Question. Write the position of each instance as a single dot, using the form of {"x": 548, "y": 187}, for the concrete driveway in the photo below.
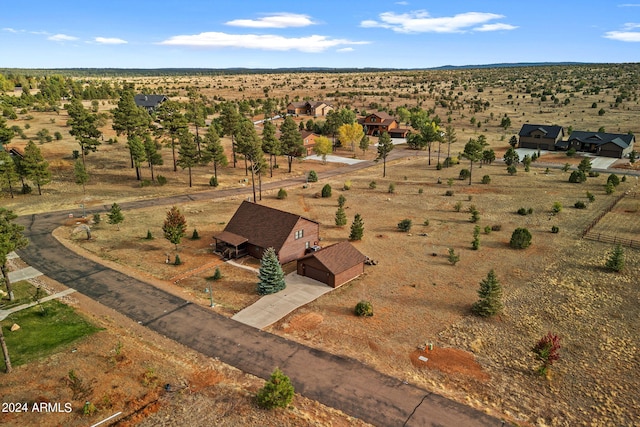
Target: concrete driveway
{"x": 269, "y": 309}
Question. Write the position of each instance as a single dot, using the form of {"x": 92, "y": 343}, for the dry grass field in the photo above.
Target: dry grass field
{"x": 558, "y": 284}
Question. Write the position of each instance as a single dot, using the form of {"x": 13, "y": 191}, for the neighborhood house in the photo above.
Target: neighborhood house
{"x": 149, "y": 102}
{"x": 255, "y": 228}
{"x": 309, "y": 108}
{"x": 309, "y": 142}
{"x": 550, "y": 138}
{"x": 376, "y": 124}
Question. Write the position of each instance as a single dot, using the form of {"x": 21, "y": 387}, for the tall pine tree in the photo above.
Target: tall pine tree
{"x": 341, "y": 217}
{"x": 490, "y": 294}
{"x": 8, "y": 175}
{"x": 357, "y": 228}
{"x": 270, "y": 276}
{"x": 35, "y": 166}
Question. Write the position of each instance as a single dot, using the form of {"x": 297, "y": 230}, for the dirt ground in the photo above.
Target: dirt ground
{"x": 556, "y": 285}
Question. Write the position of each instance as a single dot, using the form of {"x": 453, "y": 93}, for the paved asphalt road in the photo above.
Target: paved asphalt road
{"x": 339, "y": 382}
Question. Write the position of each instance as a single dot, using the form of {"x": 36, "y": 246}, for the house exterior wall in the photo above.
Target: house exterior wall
{"x": 312, "y": 268}
{"x": 537, "y": 140}
{"x": 345, "y": 276}
{"x": 293, "y": 248}
{"x": 611, "y": 150}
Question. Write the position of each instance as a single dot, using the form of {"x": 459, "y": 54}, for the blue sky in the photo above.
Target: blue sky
{"x": 272, "y": 34}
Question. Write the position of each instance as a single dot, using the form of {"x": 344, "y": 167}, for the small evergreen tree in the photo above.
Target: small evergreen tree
{"x": 96, "y": 218}
{"x": 270, "y": 275}
{"x": 577, "y": 177}
{"x": 520, "y": 238}
{"x": 616, "y": 259}
{"x": 609, "y": 188}
{"x": 326, "y": 190}
{"x": 405, "y": 225}
{"x": 217, "y": 275}
{"x": 282, "y": 194}
{"x": 357, "y": 228}
{"x": 475, "y": 214}
{"x": 195, "y": 235}
{"x": 613, "y": 178}
{"x": 177, "y": 261}
{"x": 115, "y": 215}
{"x": 313, "y": 176}
{"x": 278, "y": 392}
{"x": 341, "y": 217}
{"x": 490, "y": 294}
{"x": 149, "y": 235}
{"x": 341, "y": 200}
{"x": 453, "y": 258}
{"x": 475, "y": 244}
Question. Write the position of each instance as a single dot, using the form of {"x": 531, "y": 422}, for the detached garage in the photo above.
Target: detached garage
{"x": 334, "y": 265}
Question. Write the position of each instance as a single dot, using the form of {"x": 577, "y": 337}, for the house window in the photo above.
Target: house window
{"x": 537, "y": 136}
{"x": 299, "y": 234}
{"x": 306, "y": 245}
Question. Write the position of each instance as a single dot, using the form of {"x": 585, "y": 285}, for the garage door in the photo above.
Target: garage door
{"x": 316, "y": 274}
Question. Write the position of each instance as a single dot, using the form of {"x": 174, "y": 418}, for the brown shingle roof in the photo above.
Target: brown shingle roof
{"x": 339, "y": 257}
{"x": 230, "y": 238}
{"x": 263, "y": 226}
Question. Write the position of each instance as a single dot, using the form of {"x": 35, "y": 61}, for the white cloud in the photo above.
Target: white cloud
{"x": 345, "y": 50}
{"x": 630, "y": 26}
{"x": 62, "y": 38}
{"x": 402, "y": 3}
{"x": 421, "y": 22}
{"x": 629, "y": 5}
{"x": 623, "y": 36}
{"x": 10, "y": 30}
{"x": 278, "y": 20}
{"x": 496, "y": 27}
{"x": 313, "y": 43}
{"x": 109, "y": 40}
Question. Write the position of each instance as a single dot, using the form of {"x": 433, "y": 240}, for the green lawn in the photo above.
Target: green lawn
{"x": 44, "y": 330}
{"x": 23, "y": 291}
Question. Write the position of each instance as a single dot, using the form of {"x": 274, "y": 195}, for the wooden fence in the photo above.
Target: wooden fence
{"x": 588, "y": 234}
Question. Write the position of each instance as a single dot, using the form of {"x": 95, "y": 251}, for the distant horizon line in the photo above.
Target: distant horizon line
{"x": 264, "y": 69}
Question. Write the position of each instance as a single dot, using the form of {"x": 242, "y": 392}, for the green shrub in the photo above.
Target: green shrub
{"x": 217, "y": 275}
{"x": 420, "y": 191}
{"x": 312, "y": 177}
{"x": 195, "y": 235}
{"x": 591, "y": 197}
{"x": 571, "y": 152}
{"x": 486, "y": 179}
{"x": 448, "y": 193}
{"x": 405, "y": 225}
{"x": 555, "y": 229}
{"x": 453, "y": 258}
{"x": 613, "y": 178}
{"x": 530, "y": 211}
{"x": 341, "y": 200}
{"x": 426, "y": 222}
{"x": 609, "y": 188}
{"x": 487, "y": 229}
{"x": 177, "y": 260}
{"x": 624, "y": 178}
{"x": 96, "y": 218}
{"x": 475, "y": 214}
{"x": 464, "y": 174}
{"x": 282, "y": 194}
{"x": 278, "y": 392}
{"x": 512, "y": 169}
{"x": 496, "y": 227}
{"x": 520, "y": 238}
{"x": 579, "y": 205}
{"x": 162, "y": 180}
{"x": 213, "y": 181}
{"x": 577, "y": 177}
{"x": 326, "y": 190}
{"x": 26, "y": 188}
{"x": 149, "y": 235}
{"x": 392, "y": 188}
{"x": 557, "y": 207}
{"x": 522, "y": 211}
{"x": 372, "y": 185}
{"x": 364, "y": 309}
{"x": 145, "y": 183}
{"x": 347, "y": 186}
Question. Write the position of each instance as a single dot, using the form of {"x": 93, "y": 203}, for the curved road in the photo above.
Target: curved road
{"x": 335, "y": 381}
